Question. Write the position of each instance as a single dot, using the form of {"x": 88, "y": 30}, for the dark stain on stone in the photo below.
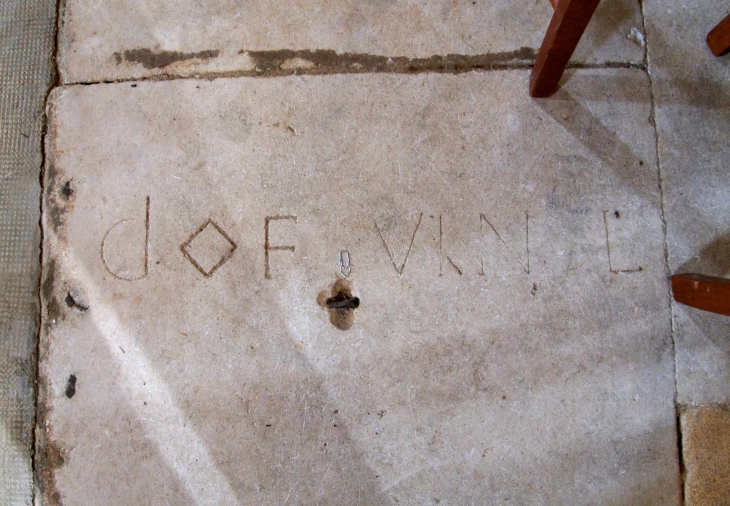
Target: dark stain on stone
{"x": 47, "y": 286}
{"x": 55, "y": 211}
{"x": 159, "y": 59}
{"x": 327, "y": 61}
{"x": 67, "y": 190}
{"x": 53, "y": 311}
{"x": 53, "y": 308}
{"x": 59, "y": 196}
{"x": 71, "y": 386}
{"x": 534, "y": 289}
{"x": 340, "y": 303}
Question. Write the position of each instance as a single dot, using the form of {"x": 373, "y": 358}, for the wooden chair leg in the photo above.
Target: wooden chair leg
{"x": 703, "y": 292}
{"x": 566, "y": 28}
{"x": 719, "y": 38}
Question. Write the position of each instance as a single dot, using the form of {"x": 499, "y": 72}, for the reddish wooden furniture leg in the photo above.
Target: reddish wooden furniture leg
{"x": 719, "y": 38}
{"x": 566, "y": 28}
{"x": 702, "y": 292}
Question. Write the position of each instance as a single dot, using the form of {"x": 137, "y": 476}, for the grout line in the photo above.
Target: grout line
{"x": 436, "y": 68}
{"x": 53, "y": 83}
{"x": 660, "y": 181}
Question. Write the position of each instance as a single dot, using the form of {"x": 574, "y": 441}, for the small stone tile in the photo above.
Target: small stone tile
{"x": 692, "y": 94}
{"x": 122, "y": 39}
{"x": 706, "y": 454}
{"x": 510, "y": 340}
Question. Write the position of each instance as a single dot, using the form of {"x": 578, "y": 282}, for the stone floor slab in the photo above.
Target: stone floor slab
{"x": 128, "y": 39}
{"x": 510, "y": 341}
{"x": 692, "y": 93}
{"x": 706, "y": 449}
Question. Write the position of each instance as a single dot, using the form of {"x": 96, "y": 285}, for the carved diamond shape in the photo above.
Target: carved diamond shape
{"x": 208, "y": 248}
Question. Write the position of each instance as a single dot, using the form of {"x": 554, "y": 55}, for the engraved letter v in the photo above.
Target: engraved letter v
{"x": 413, "y": 237}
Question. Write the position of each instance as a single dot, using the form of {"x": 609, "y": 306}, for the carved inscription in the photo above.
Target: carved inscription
{"x": 402, "y": 267}
{"x": 608, "y": 249}
{"x": 121, "y": 271}
{"x": 210, "y": 246}
{"x": 525, "y": 266}
{"x": 267, "y": 243}
{"x": 227, "y": 252}
{"x": 441, "y": 251}
{"x": 345, "y": 264}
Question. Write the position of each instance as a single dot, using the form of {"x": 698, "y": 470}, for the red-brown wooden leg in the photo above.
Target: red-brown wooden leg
{"x": 702, "y": 292}
{"x": 719, "y": 38}
{"x": 566, "y": 28}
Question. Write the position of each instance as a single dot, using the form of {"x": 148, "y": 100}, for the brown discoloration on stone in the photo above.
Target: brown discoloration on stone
{"x": 150, "y": 59}
{"x": 54, "y": 310}
{"x": 706, "y": 455}
{"x": 340, "y": 303}
{"x": 49, "y": 456}
{"x": 59, "y": 197}
{"x": 325, "y": 61}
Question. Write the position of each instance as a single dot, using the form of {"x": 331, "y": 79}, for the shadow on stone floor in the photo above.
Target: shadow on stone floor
{"x": 568, "y": 110}
{"x": 699, "y": 84}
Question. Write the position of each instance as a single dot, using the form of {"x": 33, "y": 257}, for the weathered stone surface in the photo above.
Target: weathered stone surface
{"x": 692, "y": 93}
{"x": 511, "y": 339}
{"x": 706, "y": 452}
{"x": 122, "y": 39}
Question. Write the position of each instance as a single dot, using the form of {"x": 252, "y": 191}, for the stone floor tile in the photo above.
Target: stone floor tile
{"x": 692, "y": 93}
{"x": 706, "y": 452}
{"x": 128, "y": 39}
{"x": 510, "y": 341}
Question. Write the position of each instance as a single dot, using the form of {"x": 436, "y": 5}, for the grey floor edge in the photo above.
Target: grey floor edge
{"x": 27, "y": 31}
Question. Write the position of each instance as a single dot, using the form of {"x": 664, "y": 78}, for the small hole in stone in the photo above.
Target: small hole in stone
{"x": 617, "y": 214}
{"x": 76, "y": 298}
{"x": 71, "y": 386}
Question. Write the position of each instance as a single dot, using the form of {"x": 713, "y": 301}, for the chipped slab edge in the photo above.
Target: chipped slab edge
{"x": 48, "y": 455}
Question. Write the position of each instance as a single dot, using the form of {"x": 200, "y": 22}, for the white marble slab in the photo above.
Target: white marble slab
{"x": 511, "y": 343}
